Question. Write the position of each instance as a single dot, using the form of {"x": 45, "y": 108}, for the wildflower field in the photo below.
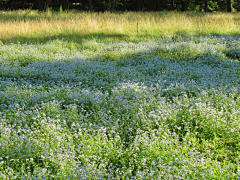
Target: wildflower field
{"x": 136, "y": 104}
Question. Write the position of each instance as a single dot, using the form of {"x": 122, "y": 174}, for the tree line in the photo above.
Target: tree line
{"x": 124, "y": 5}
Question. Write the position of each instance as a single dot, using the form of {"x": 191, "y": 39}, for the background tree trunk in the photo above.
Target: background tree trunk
{"x": 229, "y": 9}
{"x": 157, "y": 5}
{"x": 11, "y": 2}
{"x": 90, "y": 5}
{"x": 113, "y": 5}
{"x": 43, "y": 5}
{"x": 173, "y": 5}
{"x": 65, "y": 5}
{"x": 124, "y": 5}
{"x": 138, "y": 5}
{"x": 183, "y": 6}
{"x": 109, "y": 5}
{"x": 143, "y": 4}
{"x": 46, "y": 5}
{"x": 40, "y": 5}
{"x": 206, "y": 6}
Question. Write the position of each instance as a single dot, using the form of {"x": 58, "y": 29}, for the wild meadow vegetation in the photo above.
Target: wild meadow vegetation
{"x": 119, "y": 95}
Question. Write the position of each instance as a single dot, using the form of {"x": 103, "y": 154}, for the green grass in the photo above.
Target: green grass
{"x": 118, "y": 105}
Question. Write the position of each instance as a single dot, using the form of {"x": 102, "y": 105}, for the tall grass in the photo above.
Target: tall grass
{"x": 33, "y": 26}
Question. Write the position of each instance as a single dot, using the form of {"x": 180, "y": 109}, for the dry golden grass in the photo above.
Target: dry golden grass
{"x": 33, "y": 26}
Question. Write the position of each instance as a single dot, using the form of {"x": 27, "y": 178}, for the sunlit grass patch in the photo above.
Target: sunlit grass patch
{"x": 40, "y": 27}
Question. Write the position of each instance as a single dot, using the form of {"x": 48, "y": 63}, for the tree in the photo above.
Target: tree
{"x": 229, "y": 8}
{"x": 138, "y": 5}
{"x": 206, "y": 5}
{"x": 124, "y": 5}
{"x": 143, "y": 4}
{"x": 90, "y": 5}
{"x": 47, "y": 3}
{"x": 65, "y": 5}
{"x": 183, "y": 6}
{"x": 157, "y": 5}
{"x": 173, "y": 5}
{"x": 43, "y": 5}
{"x": 11, "y": 3}
{"x": 112, "y": 4}
{"x": 109, "y": 5}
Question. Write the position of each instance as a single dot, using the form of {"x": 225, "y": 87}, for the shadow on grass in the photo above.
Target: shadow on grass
{"x": 73, "y": 37}
{"x": 106, "y": 81}
{"x": 77, "y": 37}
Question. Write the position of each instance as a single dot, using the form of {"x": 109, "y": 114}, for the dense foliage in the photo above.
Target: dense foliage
{"x": 123, "y": 5}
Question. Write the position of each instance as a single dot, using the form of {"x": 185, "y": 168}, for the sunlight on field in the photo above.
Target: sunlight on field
{"x": 31, "y": 26}
{"x": 119, "y": 96}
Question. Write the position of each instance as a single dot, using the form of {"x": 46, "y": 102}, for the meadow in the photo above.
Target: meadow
{"x": 129, "y": 95}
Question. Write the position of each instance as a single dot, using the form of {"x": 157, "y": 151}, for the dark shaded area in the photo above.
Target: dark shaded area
{"x": 77, "y": 37}
{"x": 122, "y": 5}
{"x": 74, "y": 37}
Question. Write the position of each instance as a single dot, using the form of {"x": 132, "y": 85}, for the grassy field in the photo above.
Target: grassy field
{"x": 36, "y": 27}
{"x": 119, "y": 96}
